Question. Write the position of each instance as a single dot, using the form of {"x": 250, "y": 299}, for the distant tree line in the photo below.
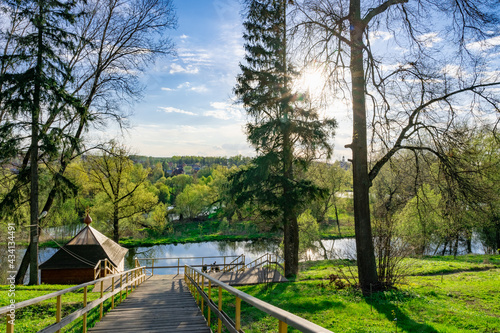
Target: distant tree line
{"x": 202, "y": 161}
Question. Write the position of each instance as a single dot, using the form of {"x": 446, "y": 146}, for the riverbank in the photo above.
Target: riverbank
{"x": 215, "y": 230}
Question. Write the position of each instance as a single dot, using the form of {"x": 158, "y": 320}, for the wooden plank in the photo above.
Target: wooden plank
{"x": 161, "y": 304}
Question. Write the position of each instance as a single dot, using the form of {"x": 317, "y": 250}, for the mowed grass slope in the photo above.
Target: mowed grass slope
{"x": 442, "y": 295}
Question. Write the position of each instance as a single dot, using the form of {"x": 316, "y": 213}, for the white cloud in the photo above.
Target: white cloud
{"x": 429, "y": 39}
{"x": 224, "y": 111}
{"x": 485, "y": 44}
{"x": 184, "y": 85}
{"x": 166, "y": 89}
{"x": 168, "y": 109}
{"x": 184, "y": 36}
{"x": 384, "y": 35}
{"x": 187, "y": 85}
{"x": 453, "y": 71}
{"x": 189, "y": 69}
{"x": 199, "y": 89}
{"x": 170, "y": 140}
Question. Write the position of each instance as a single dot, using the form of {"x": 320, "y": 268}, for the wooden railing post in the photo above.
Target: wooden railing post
{"x": 84, "y": 328}
{"x": 219, "y": 322}
{"x": 209, "y": 298}
{"x": 121, "y": 286}
{"x": 112, "y": 290}
{"x": 198, "y": 296}
{"x": 102, "y": 303}
{"x": 10, "y": 326}
{"x": 58, "y": 310}
{"x": 238, "y": 314}
{"x": 282, "y": 327}
{"x": 178, "y": 265}
{"x": 126, "y": 282}
{"x": 153, "y": 267}
{"x": 202, "y": 291}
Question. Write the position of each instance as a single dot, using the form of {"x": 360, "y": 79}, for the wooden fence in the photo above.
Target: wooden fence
{"x": 128, "y": 280}
{"x": 201, "y": 284}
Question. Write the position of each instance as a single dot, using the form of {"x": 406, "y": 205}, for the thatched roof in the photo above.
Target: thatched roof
{"x": 85, "y": 250}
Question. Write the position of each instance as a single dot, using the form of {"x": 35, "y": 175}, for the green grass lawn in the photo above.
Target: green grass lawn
{"x": 442, "y": 295}
{"x": 36, "y": 317}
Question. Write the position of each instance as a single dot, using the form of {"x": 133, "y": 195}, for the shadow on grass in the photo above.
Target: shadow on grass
{"x": 382, "y": 303}
{"x": 279, "y": 296}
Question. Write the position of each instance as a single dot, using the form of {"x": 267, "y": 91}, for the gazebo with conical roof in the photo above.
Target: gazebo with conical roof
{"x": 74, "y": 263}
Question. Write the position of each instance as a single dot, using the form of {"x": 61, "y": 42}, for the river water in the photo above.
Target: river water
{"x": 251, "y": 249}
{"x": 339, "y": 248}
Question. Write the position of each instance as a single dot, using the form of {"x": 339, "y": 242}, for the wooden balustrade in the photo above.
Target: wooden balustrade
{"x": 133, "y": 277}
{"x": 108, "y": 269}
{"x": 152, "y": 263}
{"x": 284, "y": 318}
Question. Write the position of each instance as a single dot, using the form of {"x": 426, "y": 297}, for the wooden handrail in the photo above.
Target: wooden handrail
{"x": 138, "y": 275}
{"x": 236, "y": 263}
{"x": 223, "y": 266}
{"x": 108, "y": 267}
{"x": 285, "y": 318}
{"x": 175, "y": 258}
{"x": 268, "y": 259}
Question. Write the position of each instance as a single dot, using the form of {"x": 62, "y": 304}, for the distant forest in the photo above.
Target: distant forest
{"x": 170, "y": 163}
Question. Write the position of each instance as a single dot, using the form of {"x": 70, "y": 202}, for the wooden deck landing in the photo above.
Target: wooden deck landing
{"x": 254, "y": 275}
{"x": 161, "y": 304}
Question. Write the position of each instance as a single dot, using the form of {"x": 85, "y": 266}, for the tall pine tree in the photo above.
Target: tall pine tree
{"x": 34, "y": 87}
{"x": 285, "y": 132}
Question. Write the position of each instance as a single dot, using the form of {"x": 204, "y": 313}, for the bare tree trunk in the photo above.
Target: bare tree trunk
{"x": 367, "y": 268}
{"x": 455, "y": 246}
{"x": 35, "y": 115}
{"x": 23, "y": 268}
{"x": 497, "y": 233}
{"x": 444, "y": 248}
{"x": 116, "y": 231}
{"x": 325, "y": 251}
{"x": 337, "y": 218}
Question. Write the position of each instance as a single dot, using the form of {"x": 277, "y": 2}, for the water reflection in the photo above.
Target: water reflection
{"x": 251, "y": 249}
{"x": 328, "y": 249}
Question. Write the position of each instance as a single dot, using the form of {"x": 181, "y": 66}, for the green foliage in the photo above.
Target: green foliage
{"x": 178, "y": 183}
{"x": 194, "y": 201}
{"x": 121, "y": 188}
{"x": 309, "y": 233}
{"x": 33, "y": 77}
{"x": 420, "y": 222}
{"x": 335, "y": 180}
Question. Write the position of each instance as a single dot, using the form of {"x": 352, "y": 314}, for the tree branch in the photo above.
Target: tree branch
{"x": 380, "y": 9}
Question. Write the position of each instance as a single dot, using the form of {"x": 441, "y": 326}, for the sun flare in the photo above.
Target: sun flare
{"x": 311, "y": 81}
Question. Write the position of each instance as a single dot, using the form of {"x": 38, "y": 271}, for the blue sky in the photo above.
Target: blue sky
{"x": 188, "y": 106}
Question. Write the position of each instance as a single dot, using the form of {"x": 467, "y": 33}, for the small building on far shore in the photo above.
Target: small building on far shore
{"x": 74, "y": 263}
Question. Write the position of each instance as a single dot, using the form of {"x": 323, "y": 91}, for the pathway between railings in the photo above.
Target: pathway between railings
{"x": 161, "y": 304}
